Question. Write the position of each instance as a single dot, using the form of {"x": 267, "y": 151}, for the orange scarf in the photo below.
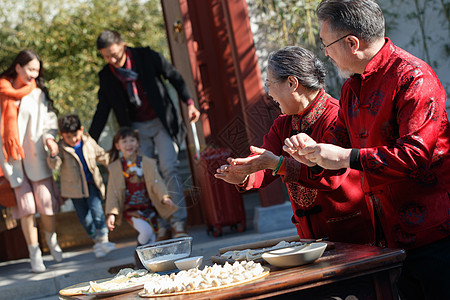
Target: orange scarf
{"x": 9, "y": 127}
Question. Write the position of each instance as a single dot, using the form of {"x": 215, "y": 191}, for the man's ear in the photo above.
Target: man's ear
{"x": 353, "y": 42}
{"x": 82, "y": 128}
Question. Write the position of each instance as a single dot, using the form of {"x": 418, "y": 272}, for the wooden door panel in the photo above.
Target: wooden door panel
{"x": 217, "y": 58}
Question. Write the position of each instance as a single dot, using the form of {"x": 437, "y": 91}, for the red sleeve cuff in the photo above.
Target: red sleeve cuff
{"x": 190, "y": 101}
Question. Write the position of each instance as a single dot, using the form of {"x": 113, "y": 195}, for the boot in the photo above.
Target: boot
{"x": 37, "y": 264}
{"x": 53, "y": 245}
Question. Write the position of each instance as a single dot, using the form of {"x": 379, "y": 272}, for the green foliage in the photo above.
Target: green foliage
{"x": 64, "y": 34}
{"x": 293, "y": 21}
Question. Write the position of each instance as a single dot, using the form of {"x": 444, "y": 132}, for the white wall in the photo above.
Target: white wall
{"x": 404, "y": 31}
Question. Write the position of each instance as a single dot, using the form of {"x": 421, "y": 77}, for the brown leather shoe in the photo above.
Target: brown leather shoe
{"x": 163, "y": 234}
{"x": 179, "y": 230}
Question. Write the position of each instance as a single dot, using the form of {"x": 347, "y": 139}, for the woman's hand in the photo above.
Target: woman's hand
{"x": 52, "y": 147}
{"x": 228, "y": 174}
{"x": 110, "y": 222}
{"x": 260, "y": 160}
{"x": 237, "y": 169}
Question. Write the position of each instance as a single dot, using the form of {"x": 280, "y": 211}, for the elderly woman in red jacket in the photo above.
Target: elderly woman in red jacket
{"x": 332, "y": 206}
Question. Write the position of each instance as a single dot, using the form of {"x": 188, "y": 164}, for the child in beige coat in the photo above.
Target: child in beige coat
{"x": 135, "y": 189}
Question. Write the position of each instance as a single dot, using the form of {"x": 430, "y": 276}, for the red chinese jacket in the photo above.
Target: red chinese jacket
{"x": 333, "y": 206}
{"x": 395, "y": 114}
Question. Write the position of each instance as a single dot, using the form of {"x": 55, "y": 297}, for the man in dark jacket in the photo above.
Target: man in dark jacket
{"x": 131, "y": 84}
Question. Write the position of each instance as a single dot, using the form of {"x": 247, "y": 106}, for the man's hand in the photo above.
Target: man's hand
{"x": 295, "y": 146}
{"x": 328, "y": 156}
{"x": 193, "y": 113}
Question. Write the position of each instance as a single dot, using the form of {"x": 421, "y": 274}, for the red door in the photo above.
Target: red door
{"x": 212, "y": 45}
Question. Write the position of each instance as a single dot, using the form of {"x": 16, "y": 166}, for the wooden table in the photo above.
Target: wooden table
{"x": 362, "y": 271}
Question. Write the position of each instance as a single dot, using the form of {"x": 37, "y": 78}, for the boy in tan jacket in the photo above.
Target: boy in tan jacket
{"x": 81, "y": 179}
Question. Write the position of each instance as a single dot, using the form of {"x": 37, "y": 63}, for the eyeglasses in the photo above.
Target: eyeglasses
{"x": 268, "y": 83}
{"x": 323, "y": 46}
{"x": 118, "y": 56}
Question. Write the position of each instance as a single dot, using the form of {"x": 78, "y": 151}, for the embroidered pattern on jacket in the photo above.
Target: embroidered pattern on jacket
{"x": 413, "y": 214}
{"x": 388, "y": 133}
{"x": 375, "y": 101}
{"x": 353, "y": 108}
{"x": 312, "y": 116}
{"x": 403, "y": 238}
{"x": 302, "y": 196}
{"x": 374, "y": 163}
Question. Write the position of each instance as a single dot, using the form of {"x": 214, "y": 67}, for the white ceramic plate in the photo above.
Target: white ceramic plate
{"x": 265, "y": 274}
{"x": 163, "y": 263}
{"x": 189, "y": 263}
{"x": 82, "y": 289}
{"x": 295, "y": 256}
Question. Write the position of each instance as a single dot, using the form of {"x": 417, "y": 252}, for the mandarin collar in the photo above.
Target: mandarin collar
{"x": 379, "y": 60}
{"x": 312, "y": 105}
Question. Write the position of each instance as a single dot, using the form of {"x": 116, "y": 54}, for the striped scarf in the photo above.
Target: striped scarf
{"x": 128, "y": 77}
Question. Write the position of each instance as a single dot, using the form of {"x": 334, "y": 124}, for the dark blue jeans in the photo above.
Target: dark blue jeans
{"x": 90, "y": 213}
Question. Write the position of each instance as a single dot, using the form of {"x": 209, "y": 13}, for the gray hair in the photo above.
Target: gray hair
{"x": 107, "y": 38}
{"x": 298, "y": 62}
{"x": 362, "y": 18}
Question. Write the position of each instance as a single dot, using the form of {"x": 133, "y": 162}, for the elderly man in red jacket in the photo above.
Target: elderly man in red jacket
{"x": 393, "y": 127}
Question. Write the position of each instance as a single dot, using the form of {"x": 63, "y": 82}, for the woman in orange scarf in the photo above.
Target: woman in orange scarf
{"x": 28, "y": 127}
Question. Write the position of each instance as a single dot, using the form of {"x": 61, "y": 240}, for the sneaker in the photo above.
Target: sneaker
{"x": 179, "y": 230}
{"x": 98, "y": 252}
{"x": 101, "y": 249}
{"x": 163, "y": 234}
{"x": 108, "y": 247}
